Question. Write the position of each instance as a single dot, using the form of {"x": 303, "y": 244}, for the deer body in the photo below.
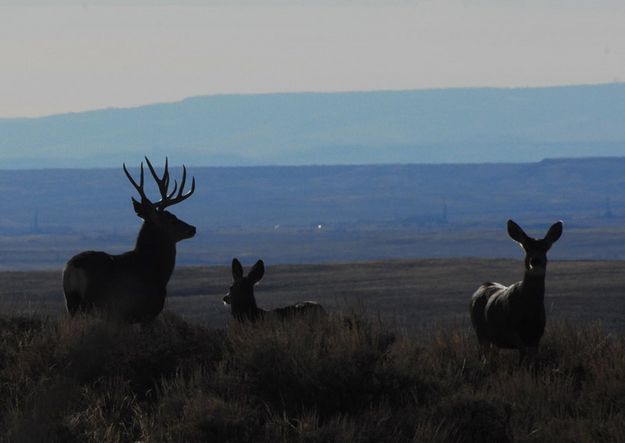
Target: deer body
{"x": 298, "y": 309}
{"x": 242, "y": 302}
{"x": 513, "y": 316}
{"x": 131, "y": 286}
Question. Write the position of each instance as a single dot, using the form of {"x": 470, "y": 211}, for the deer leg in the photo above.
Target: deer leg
{"x": 521, "y": 347}
{"x": 488, "y": 351}
{"x": 494, "y": 351}
{"x": 522, "y": 355}
{"x": 484, "y": 349}
{"x": 532, "y": 351}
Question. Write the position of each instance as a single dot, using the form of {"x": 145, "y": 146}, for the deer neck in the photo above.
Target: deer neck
{"x": 533, "y": 285}
{"x": 248, "y": 311}
{"x": 157, "y": 252}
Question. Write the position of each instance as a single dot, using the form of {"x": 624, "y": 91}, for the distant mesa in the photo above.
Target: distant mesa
{"x": 389, "y": 127}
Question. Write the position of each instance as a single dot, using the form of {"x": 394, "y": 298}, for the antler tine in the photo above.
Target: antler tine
{"x": 161, "y": 182}
{"x": 138, "y": 187}
{"x": 155, "y": 176}
{"x": 180, "y": 197}
{"x": 166, "y": 173}
{"x": 171, "y": 194}
{"x": 184, "y": 179}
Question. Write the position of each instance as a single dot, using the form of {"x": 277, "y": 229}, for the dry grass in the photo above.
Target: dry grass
{"x": 415, "y": 293}
{"x": 349, "y": 378}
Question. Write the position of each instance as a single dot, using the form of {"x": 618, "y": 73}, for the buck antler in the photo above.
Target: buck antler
{"x": 138, "y": 187}
{"x": 163, "y": 184}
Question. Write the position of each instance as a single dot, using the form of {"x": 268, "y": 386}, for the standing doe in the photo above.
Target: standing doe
{"x": 513, "y": 317}
{"x": 242, "y": 303}
{"x": 132, "y": 286}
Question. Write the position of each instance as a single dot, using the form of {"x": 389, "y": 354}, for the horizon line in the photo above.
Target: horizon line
{"x": 329, "y": 165}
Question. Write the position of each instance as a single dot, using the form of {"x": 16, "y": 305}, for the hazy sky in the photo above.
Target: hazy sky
{"x": 76, "y": 55}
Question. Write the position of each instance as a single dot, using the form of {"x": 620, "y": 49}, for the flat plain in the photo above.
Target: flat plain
{"x": 414, "y": 294}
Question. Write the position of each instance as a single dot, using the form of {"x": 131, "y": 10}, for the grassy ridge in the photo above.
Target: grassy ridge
{"x": 347, "y": 378}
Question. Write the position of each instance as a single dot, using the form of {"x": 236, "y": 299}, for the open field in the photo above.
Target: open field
{"x": 413, "y": 293}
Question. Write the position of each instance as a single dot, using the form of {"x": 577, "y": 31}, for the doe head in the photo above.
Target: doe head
{"x": 155, "y": 214}
{"x": 240, "y": 297}
{"x": 535, "y": 249}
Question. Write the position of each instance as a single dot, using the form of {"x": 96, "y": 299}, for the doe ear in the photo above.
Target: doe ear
{"x": 554, "y": 233}
{"x": 257, "y": 272}
{"x": 516, "y": 233}
{"x": 237, "y": 269}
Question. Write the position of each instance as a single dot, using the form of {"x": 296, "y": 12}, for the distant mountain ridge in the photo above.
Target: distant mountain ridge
{"x": 424, "y": 126}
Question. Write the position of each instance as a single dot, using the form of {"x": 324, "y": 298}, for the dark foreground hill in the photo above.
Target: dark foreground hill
{"x": 343, "y": 379}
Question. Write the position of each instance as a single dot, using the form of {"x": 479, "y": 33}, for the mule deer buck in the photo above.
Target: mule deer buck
{"x": 513, "y": 317}
{"x": 242, "y": 303}
{"x": 132, "y": 286}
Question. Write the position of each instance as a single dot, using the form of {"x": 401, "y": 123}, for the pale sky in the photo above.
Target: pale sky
{"x": 77, "y": 56}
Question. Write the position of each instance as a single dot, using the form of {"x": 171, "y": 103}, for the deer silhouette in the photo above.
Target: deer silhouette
{"x": 513, "y": 317}
{"x": 131, "y": 286}
{"x": 242, "y": 302}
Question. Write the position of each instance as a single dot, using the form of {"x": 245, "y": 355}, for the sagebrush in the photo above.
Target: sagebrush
{"x": 347, "y": 378}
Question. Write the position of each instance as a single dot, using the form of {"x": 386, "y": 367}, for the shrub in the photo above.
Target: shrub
{"x": 343, "y": 378}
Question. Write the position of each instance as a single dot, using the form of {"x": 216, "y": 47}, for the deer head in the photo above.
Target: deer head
{"x": 240, "y": 297}
{"x": 535, "y": 250}
{"x": 154, "y": 214}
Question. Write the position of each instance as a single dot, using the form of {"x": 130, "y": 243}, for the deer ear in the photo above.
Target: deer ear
{"x": 237, "y": 270}
{"x": 144, "y": 210}
{"x": 554, "y": 233}
{"x": 257, "y": 272}
{"x": 516, "y": 233}
{"x": 138, "y": 208}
